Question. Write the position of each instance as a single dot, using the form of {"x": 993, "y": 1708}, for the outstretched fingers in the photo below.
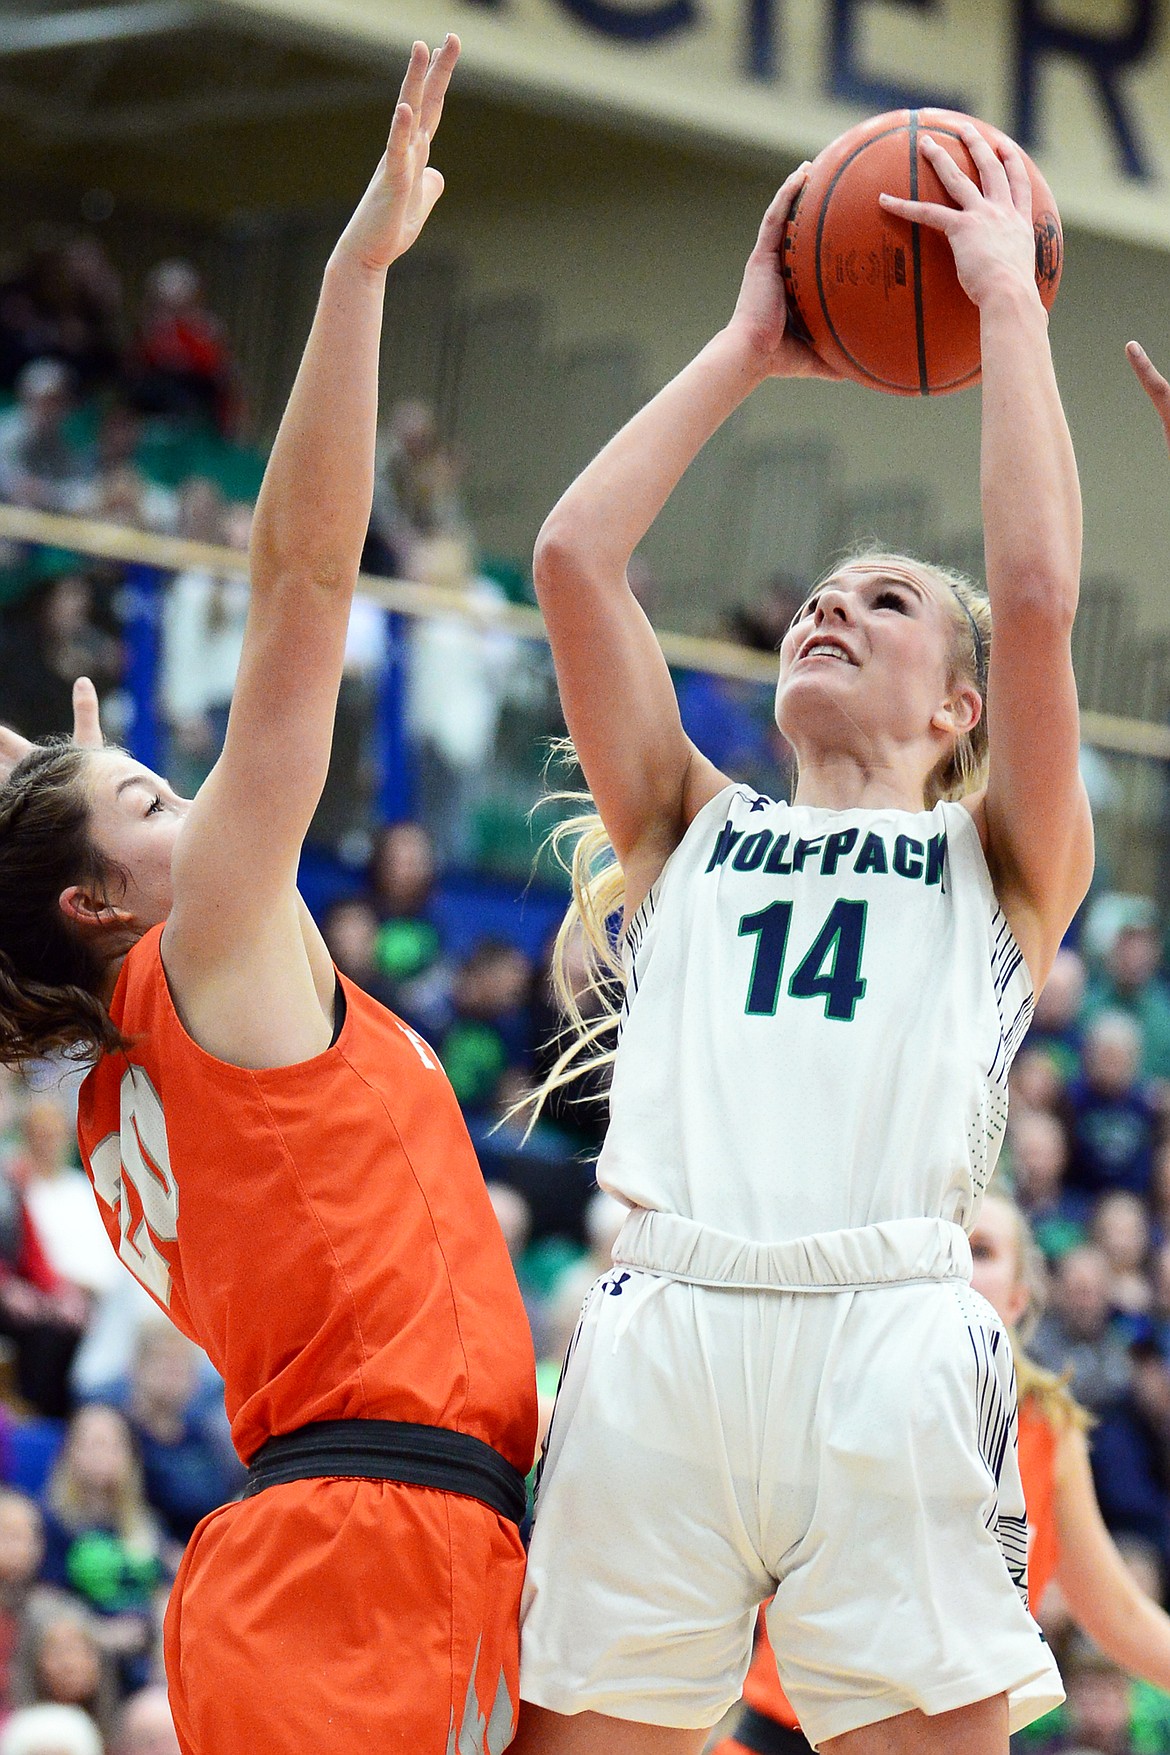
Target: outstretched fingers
{"x": 438, "y": 78}
{"x": 87, "y": 730}
{"x": 1151, "y": 381}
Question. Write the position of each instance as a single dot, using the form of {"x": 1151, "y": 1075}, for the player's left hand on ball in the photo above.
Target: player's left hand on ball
{"x": 1151, "y": 381}
{"x": 989, "y": 227}
{"x": 405, "y": 187}
{"x": 761, "y": 310}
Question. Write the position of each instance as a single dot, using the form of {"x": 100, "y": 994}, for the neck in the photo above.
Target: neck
{"x": 842, "y": 780}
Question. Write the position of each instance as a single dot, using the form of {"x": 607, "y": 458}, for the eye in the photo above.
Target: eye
{"x": 889, "y": 599}
{"x": 156, "y": 803}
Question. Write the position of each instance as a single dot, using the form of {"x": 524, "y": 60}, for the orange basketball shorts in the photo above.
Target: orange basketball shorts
{"x": 336, "y": 1616}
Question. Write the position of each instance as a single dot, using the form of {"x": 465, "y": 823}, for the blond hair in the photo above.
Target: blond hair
{"x": 1049, "y": 1390}
{"x": 581, "y": 847}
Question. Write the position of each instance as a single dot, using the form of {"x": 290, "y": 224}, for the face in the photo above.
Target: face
{"x": 998, "y": 1272}
{"x": 136, "y": 818}
{"x": 1082, "y": 1292}
{"x": 1112, "y": 1055}
{"x": 99, "y": 1449}
{"x": 22, "y": 1542}
{"x": 68, "y": 1663}
{"x": 867, "y": 663}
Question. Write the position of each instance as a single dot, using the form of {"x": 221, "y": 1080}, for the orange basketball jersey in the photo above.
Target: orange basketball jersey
{"x": 1038, "y": 1444}
{"x": 322, "y": 1230}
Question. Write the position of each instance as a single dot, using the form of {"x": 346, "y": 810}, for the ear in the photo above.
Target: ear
{"x": 90, "y": 913}
{"x": 1017, "y": 1305}
{"x": 960, "y": 712}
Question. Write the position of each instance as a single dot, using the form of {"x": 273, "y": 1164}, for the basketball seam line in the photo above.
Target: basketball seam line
{"x": 916, "y": 257}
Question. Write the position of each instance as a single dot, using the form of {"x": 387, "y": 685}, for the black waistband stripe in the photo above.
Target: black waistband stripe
{"x": 391, "y": 1450}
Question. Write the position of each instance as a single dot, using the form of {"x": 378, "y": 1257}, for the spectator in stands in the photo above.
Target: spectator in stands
{"x": 203, "y": 636}
{"x": 40, "y": 466}
{"x": 119, "y": 491}
{"x": 145, "y": 1726}
{"x": 1097, "y": 1714}
{"x": 1057, "y": 1025}
{"x": 60, "y": 1660}
{"x": 40, "y": 1313}
{"x": 179, "y": 363}
{"x": 486, "y": 1026}
{"x": 1121, "y": 1231}
{"x": 1131, "y": 1452}
{"x": 22, "y": 1550}
{"x": 62, "y": 302}
{"x": 49, "y": 639}
{"x": 58, "y": 1196}
{"x": 350, "y": 929}
{"x": 1038, "y": 1148}
{"x": 401, "y": 881}
{"x": 461, "y": 670}
{"x": 102, "y": 1539}
{"x": 1035, "y": 1083}
{"x": 188, "y": 1464}
{"x": 51, "y": 1730}
{"x": 1115, "y": 1117}
{"x": 416, "y": 496}
{"x": 1130, "y": 980}
{"x": 1076, "y": 1333}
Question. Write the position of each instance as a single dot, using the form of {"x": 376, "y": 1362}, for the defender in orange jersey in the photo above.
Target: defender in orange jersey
{"x": 278, "y": 1159}
{"x": 1067, "y": 1537}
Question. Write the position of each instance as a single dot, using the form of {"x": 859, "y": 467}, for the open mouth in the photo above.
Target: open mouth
{"x": 826, "y": 648}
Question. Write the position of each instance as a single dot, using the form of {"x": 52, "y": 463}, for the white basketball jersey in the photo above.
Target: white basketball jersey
{"x": 821, "y": 1011}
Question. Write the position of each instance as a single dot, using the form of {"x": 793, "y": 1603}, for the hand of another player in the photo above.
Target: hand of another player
{"x": 404, "y": 188}
{"x": 87, "y": 731}
{"x": 761, "y": 310}
{"x": 989, "y": 228}
{"x": 1152, "y": 382}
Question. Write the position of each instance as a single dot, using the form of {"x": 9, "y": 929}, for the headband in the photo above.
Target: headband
{"x": 977, "y": 643}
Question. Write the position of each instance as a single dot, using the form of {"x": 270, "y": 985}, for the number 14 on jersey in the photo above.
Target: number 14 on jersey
{"x": 830, "y": 969}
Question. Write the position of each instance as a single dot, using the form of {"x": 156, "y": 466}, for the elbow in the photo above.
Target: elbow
{"x": 1040, "y": 598}
{"x": 564, "y": 558}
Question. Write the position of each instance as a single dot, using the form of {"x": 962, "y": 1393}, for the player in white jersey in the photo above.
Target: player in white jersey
{"x": 785, "y": 1383}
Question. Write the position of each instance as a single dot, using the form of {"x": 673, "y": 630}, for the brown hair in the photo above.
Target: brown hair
{"x": 598, "y": 881}
{"x": 50, "y": 976}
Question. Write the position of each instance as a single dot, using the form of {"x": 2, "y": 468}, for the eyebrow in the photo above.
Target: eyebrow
{"x": 131, "y": 780}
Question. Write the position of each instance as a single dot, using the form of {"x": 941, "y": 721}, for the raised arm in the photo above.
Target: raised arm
{"x": 1034, "y": 816}
{"x": 1104, "y": 1599}
{"x": 647, "y": 778}
{"x": 234, "y": 945}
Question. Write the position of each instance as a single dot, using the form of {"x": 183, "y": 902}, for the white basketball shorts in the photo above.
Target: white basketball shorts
{"x": 849, "y": 1445}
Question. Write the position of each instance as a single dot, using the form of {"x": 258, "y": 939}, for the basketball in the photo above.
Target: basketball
{"x": 875, "y": 296}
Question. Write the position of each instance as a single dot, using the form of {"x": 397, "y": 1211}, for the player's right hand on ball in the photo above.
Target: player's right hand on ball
{"x": 761, "y": 310}
{"x": 404, "y": 188}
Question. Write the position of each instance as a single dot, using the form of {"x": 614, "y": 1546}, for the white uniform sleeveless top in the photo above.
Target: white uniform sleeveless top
{"x": 821, "y": 1011}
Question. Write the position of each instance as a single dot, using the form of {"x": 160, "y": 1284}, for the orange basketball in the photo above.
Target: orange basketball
{"x": 877, "y": 297}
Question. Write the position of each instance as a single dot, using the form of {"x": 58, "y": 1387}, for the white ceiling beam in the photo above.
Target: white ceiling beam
{"x": 35, "y": 33}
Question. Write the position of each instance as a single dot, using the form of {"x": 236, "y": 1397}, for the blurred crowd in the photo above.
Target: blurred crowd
{"x": 113, "y": 1435}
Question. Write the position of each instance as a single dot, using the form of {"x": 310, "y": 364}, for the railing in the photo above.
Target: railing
{"x": 1133, "y": 749}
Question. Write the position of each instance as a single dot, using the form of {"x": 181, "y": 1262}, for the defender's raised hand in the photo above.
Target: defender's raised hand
{"x": 87, "y": 729}
{"x": 405, "y": 187}
{"x": 1152, "y": 382}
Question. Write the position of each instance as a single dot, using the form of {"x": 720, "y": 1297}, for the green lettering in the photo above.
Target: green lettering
{"x": 725, "y": 841}
{"x": 908, "y": 857}
{"x": 775, "y": 862}
{"x": 836, "y": 847}
{"x": 936, "y": 853}
{"x": 873, "y": 854}
{"x": 752, "y": 850}
{"x": 802, "y": 850}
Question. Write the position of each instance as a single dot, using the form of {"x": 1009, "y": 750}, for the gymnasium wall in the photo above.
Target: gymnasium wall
{"x": 569, "y": 269}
